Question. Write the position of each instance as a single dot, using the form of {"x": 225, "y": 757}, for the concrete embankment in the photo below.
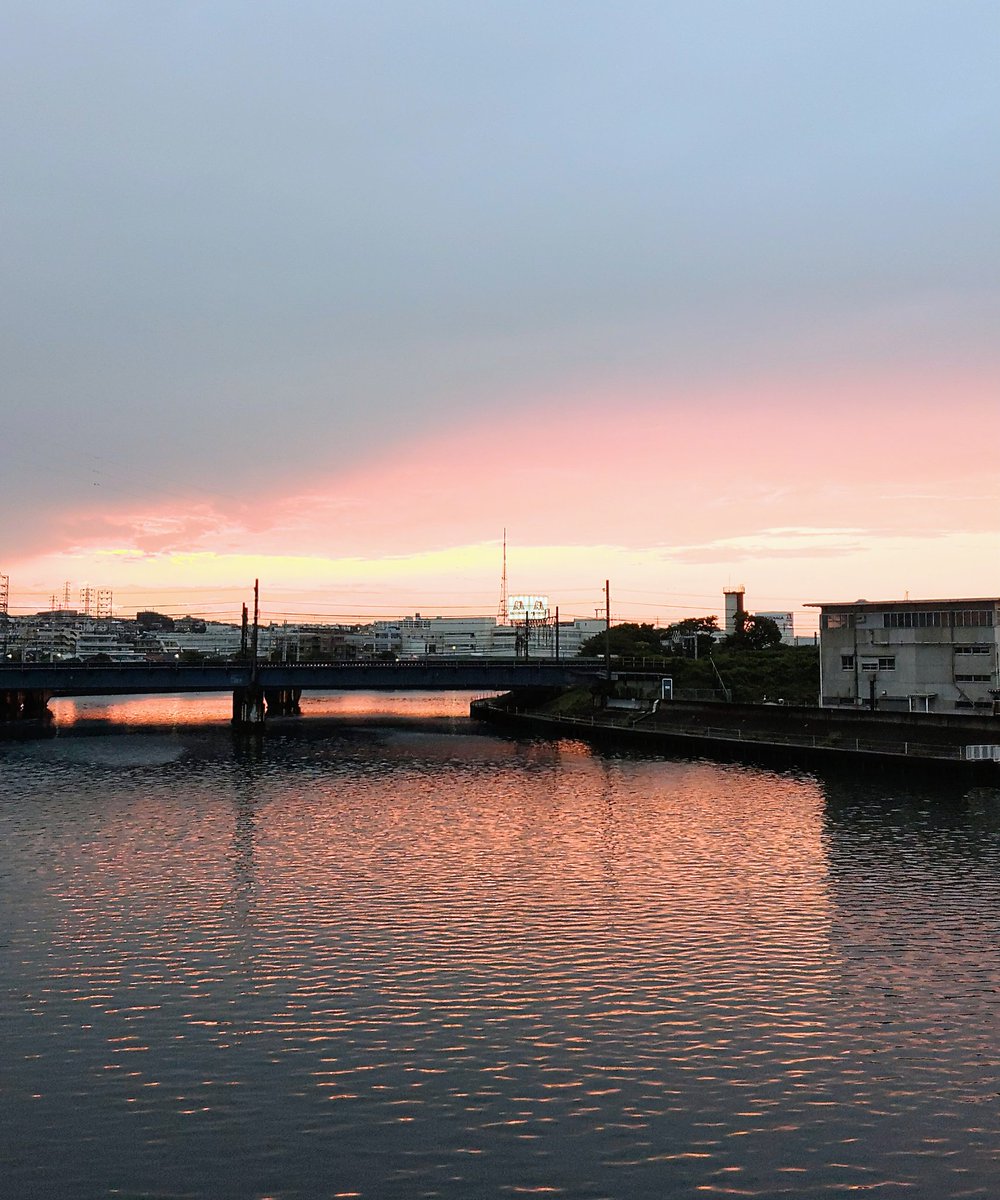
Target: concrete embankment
{"x": 961, "y": 747}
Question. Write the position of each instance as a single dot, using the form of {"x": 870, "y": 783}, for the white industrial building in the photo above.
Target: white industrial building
{"x": 461, "y": 637}
{"x": 214, "y": 639}
{"x": 465, "y": 637}
{"x": 910, "y": 655}
{"x": 785, "y": 622}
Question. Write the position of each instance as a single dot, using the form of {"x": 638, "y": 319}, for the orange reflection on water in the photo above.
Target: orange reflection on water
{"x": 210, "y": 708}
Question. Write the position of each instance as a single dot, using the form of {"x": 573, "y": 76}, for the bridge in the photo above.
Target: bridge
{"x": 266, "y": 687}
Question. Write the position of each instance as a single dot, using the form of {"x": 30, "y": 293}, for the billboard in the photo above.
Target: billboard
{"x": 531, "y": 608}
{"x": 785, "y": 622}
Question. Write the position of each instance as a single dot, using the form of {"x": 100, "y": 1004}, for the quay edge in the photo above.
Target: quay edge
{"x": 716, "y": 731}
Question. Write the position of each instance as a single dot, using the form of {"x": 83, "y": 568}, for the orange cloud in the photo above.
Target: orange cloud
{"x": 839, "y": 487}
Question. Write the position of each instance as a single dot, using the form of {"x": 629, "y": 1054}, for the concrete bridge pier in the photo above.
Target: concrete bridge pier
{"x": 248, "y": 705}
{"x": 283, "y": 701}
{"x": 24, "y": 704}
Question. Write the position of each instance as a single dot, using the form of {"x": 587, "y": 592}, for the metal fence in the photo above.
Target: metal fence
{"x": 750, "y": 739}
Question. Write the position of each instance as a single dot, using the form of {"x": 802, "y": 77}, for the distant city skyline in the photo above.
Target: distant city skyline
{"x": 682, "y": 295}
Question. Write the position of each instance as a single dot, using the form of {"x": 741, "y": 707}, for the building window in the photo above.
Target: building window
{"x": 869, "y": 664}
{"x": 973, "y": 649}
{"x": 887, "y": 664}
{"x": 973, "y": 618}
{"x": 973, "y": 678}
{"x": 847, "y": 662}
{"x": 969, "y": 618}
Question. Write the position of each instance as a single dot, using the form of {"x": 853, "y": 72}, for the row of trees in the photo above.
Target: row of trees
{"x": 694, "y": 637}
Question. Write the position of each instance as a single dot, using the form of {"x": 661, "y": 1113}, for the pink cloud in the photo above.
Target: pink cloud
{"x": 698, "y": 482}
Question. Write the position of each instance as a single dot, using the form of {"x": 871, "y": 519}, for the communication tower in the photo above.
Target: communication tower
{"x": 502, "y": 617}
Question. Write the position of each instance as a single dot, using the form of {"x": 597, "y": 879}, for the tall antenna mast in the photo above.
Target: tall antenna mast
{"x": 4, "y": 597}
{"x": 502, "y": 610}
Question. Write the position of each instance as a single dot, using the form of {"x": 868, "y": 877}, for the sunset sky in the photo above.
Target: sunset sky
{"x": 681, "y": 294}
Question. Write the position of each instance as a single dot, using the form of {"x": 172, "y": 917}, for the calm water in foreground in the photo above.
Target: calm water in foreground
{"x": 389, "y": 954}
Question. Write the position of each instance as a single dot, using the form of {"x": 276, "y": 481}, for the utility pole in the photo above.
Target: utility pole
{"x": 248, "y": 701}
{"x": 607, "y": 629}
{"x": 256, "y": 627}
{"x": 557, "y": 633}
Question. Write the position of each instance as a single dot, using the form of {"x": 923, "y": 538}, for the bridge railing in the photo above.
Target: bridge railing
{"x": 354, "y": 664}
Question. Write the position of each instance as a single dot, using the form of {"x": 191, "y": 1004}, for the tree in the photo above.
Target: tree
{"x": 628, "y": 640}
{"x": 754, "y": 633}
{"x": 694, "y": 635}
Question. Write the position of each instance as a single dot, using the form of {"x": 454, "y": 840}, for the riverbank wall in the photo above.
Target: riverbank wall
{"x": 955, "y": 746}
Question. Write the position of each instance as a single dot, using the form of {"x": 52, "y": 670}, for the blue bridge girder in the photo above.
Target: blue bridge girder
{"x": 426, "y": 674}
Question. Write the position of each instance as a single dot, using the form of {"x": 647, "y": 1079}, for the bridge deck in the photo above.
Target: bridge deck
{"x": 446, "y": 674}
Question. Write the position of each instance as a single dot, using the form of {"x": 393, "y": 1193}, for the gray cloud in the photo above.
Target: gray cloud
{"x": 237, "y": 236}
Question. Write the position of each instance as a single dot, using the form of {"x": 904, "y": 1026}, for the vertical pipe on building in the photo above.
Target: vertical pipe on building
{"x": 857, "y": 669}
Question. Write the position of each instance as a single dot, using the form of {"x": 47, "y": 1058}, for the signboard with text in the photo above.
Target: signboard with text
{"x": 531, "y": 608}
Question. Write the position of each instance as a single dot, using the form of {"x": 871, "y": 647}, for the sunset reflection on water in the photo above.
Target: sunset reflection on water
{"x": 428, "y": 959}
{"x": 208, "y": 708}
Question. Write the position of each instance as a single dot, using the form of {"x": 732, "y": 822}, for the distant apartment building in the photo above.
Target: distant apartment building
{"x": 102, "y": 644}
{"x": 212, "y": 639}
{"x": 910, "y": 655}
{"x": 61, "y": 635}
{"x": 67, "y": 635}
{"x": 313, "y": 643}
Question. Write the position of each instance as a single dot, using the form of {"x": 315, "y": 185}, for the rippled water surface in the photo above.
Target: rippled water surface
{"x": 387, "y": 954}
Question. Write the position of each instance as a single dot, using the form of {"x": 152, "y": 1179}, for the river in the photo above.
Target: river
{"x": 386, "y": 953}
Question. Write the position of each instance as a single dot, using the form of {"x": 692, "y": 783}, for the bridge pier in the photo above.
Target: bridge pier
{"x": 248, "y": 705}
{"x": 24, "y": 704}
{"x": 283, "y": 701}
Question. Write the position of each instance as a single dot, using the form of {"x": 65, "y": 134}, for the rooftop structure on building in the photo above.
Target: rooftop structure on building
{"x": 733, "y": 599}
